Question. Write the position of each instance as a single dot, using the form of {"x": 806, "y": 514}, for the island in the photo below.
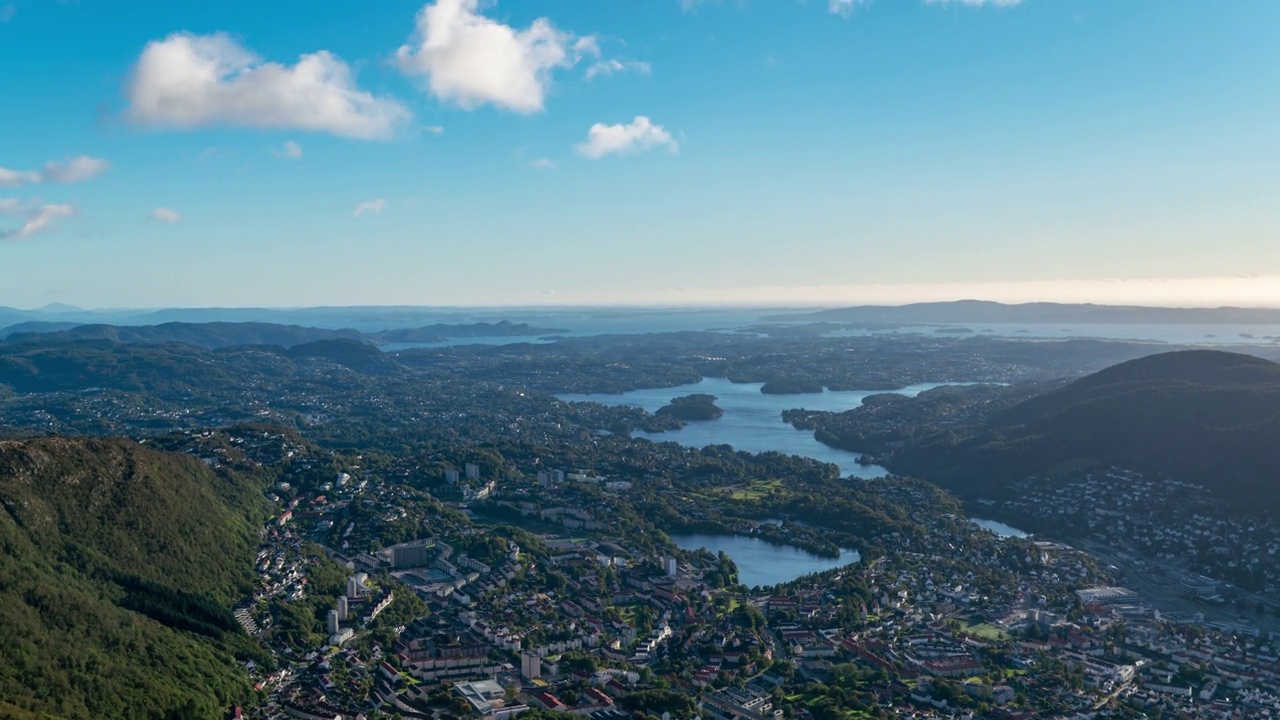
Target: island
{"x": 698, "y": 406}
{"x": 790, "y": 387}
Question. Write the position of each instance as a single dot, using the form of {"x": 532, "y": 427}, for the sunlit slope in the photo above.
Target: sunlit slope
{"x": 119, "y": 570}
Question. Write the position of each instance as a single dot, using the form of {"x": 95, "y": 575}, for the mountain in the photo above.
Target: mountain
{"x": 214, "y": 335}
{"x": 205, "y": 335}
{"x": 10, "y": 316}
{"x": 76, "y": 366}
{"x": 57, "y": 307}
{"x": 1202, "y": 416}
{"x": 981, "y": 311}
{"x": 357, "y": 356}
{"x": 119, "y": 572}
{"x": 36, "y": 326}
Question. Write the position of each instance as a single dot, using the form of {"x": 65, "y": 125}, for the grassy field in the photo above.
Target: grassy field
{"x": 754, "y": 490}
{"x": 985, "y": 631}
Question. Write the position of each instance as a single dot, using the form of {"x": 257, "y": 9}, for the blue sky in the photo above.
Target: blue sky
{"x": 638, "y": 151}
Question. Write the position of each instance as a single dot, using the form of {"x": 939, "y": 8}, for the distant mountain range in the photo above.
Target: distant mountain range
{"x": 1202, "y": 416}
{"x": 379, "y": 318}
{"x": 213, "y": 335}
{"x": 364, "y": 318}
{"x": 980, "y": 311}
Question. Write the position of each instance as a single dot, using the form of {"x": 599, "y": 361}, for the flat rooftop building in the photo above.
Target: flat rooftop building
{"x": 1106, "y": 595}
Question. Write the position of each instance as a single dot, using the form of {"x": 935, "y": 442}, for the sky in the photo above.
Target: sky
{"x": 560, "y": 152}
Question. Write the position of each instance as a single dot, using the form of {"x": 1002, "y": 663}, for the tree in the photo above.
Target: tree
{"x": 749, "y": 617}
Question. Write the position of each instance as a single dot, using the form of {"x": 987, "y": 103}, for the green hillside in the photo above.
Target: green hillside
{"x": 119, "y": 571}
{"x": 1202, "y": 416}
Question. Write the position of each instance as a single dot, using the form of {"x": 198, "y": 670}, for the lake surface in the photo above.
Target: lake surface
{"x": 752, "y": 420}
{"x": 998, "y": 528}
{"x": 761, "y": 563}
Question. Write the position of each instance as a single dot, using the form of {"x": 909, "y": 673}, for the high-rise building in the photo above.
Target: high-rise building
{"x": 353, "y": 588}
{"x": 473, "y": 471}
{"x": 333, "y": 622}
{"x": 411, "y": 554}
{"x": 451, "y": 476}
{"x": 342, "y": 607}
{"x": 669, "y": 564}
{"x": 530, "y": 665}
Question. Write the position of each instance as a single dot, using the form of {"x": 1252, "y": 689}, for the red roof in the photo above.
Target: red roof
{"x": 549, "y": 701}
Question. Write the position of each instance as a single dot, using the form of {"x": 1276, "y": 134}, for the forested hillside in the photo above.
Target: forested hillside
{"x": 1201, "y": 416}
{"x": 119, "y": 572}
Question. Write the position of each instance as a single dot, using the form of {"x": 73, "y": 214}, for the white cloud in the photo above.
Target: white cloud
{"x": 609, "y": 67}
{"x": 472, "y": 60}
{"x": 165, "y": 215}
{"x": 640, "y": 134}
{"x": 843, "y": 8}
{"x": 37, "y": 220}
{"x": 370, "y": 206}
{"x": 77, "y": 169}
{"x": 434, "y": 129}
{"x": 11, "y": 206}
{"x": 290, "y": 150}
{"x": 187, "y": 81}
{"x": 14, "y": 178}
{"x": 543, "y": 164}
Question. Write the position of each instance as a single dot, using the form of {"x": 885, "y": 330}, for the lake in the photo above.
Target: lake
{"x": 761, "y": 563}
{"x": 752, "y": 420}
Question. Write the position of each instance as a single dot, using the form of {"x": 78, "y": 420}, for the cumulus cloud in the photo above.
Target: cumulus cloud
{"x": 165, "y": 215}
{"x": 290, "y": 150}
{"x": 609, "y": 67}
{"x": 640, "y": 134}
{"x": 370, "y": 206}
{"x": 36, "y": 219}
{"x": 188, "y": 81}
{"x": 77, "y": 169}
{"x": 471, "y": 60}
